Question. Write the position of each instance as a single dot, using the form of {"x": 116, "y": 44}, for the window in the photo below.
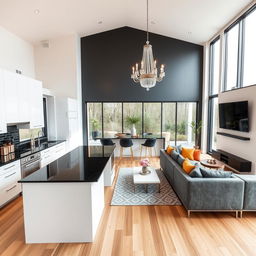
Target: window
{"x": 215, "y": 66}
{"x": 249, "y": 75}
{"x": 231, "y": 62}
{"x": 240, "y": 52}
{"x": 214, "y": 122}
{"x": 169, "y": 123}
{"x": 152, "y": 118}
{"x": 94, "y": 120}
{"x": 186, "y": 114}
{"x": 132, "y": 116}
{"x": 112, "y": 119}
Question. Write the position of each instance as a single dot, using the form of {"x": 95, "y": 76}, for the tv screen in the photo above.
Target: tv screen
{"x": 234, "y": 116}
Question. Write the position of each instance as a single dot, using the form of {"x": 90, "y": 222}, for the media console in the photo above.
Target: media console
{"x": 236, "y": 162}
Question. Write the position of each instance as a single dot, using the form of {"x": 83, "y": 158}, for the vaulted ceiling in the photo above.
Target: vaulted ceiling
{"x": 190, "y": 20}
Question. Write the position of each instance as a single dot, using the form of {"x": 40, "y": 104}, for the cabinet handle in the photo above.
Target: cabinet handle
{"x": 9, "y": 167}
{"x": 9, "y": 175}
{"x": 7, "y": 190}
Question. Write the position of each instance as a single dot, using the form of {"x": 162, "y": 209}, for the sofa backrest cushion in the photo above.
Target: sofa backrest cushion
{"x": 174, "y": 155}
{"x": 196, "y": 172}
{"x": 180, "y": 160}
{"x": 209, "y": 173}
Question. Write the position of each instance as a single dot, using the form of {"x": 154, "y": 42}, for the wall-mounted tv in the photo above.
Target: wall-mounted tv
{"x": 234, "y": 116}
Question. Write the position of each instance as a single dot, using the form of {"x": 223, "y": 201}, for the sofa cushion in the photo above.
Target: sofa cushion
{"x": 188, "y": 153}
{"x": 209, "y": 173}
{"x": 169, "y": 150}
{"x": 196, "y": 173}
{"x": 187, "y": 166}
{"x": 174, "y": 155}
{"x": 180, "y": 160}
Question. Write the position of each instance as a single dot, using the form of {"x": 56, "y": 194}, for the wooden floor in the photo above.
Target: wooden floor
{"x": 141, "y": 230}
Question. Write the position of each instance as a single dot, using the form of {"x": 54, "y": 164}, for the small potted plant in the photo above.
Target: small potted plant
{"x": 132, "y": 120}
{"x": 196, "y": 128}
{"x": 95, "y": 128}
{"x": 144, "y": 164}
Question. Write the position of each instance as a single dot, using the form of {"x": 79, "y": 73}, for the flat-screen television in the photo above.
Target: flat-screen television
{"x": 234, "y": 116}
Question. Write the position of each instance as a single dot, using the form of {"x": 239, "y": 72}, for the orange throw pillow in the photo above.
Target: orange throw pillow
{"x": 188, "y": 153}
{"x": 197, "y": 154}
{"x": 169, "y": 150}
{"x": 187, "y": 166}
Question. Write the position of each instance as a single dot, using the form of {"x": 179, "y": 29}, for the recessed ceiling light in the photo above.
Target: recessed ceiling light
{"x": 153, "y": 22}
{"x": 36, "y": 11}
{"x": 100, "y": 22}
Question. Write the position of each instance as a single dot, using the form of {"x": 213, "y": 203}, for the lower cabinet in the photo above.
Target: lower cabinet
{"x": 9, "y": 186}
{"x": 51, "y": 154}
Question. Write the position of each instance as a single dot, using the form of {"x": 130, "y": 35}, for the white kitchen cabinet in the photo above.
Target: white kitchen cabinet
{"x": 9, "y": 186}
{"x": 53, "y": 153}
{"x": 36, "y": 104}
{"x": 11, "y": 100}
{"x": 3, "y": 124}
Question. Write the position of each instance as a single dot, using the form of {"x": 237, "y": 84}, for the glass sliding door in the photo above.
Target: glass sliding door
{"x": 214, "y": 122}
{"x": 186, "y": 114}
{"x": 132, "y": 116}
{"x": 112, "y": 119}
{"x": 168, "y": 123}
{"x": 152, "y": 118}
{"x": 94, "y": 114}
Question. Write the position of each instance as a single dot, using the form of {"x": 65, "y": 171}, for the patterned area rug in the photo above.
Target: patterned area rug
{"x": 124, "y": 191}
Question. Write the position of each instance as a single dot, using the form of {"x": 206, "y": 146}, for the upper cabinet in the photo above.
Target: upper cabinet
{"x": 36, "y": 102}
{"x": 3, "y": 125}
{"x": 23, "y": 99}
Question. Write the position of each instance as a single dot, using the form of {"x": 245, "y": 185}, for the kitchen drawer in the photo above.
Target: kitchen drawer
{"x": 10, "y": 172}
{"x": 8, "y": 192}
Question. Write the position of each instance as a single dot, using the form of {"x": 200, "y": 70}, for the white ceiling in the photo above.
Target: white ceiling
{"x": 190, "y": 20}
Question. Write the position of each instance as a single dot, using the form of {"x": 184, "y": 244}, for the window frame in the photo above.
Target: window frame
{"x": 240, "y": 54}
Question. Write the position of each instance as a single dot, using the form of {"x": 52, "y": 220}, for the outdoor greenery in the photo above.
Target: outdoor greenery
{"x": 196, "y": 129}
{"x": 115, "y": 117}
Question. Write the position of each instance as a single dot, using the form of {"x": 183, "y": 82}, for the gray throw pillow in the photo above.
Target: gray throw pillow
{"x": 196, "y": 173}
{"x": 211, "y": 173}
{"x": 179, "y": 149}
{"x": 180, "y": 159}
{"x": 174, "y": 155}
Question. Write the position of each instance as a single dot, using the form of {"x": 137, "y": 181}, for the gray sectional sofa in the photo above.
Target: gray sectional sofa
{"x": 204, "y": 194}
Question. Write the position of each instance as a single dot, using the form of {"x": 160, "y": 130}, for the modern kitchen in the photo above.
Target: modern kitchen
{"x": 43, "y": 162}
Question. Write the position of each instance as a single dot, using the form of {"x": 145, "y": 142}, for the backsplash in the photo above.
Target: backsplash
{"x": 12, "y": 134}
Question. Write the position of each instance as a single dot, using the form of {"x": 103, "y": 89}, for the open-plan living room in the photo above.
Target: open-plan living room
{"x": 127, "y": 128}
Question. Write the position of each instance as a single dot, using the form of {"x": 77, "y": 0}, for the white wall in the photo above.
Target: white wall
{"x": 59, "y": 67}
{"x": 244, "y": 149}
{"x": 56, "y": 66}
{"x": 16, "y": 53}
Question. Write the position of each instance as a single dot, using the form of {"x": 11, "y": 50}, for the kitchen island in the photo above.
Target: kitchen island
{"x": 63, "y": 201}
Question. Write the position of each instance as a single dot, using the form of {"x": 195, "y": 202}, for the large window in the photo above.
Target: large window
{"x": 240, "y": 52}
{"x": 169, "y": 122}
{"x": 152, "y": 118}
{"x": 112, "y": 119}
{"x": 94, "y": 120}
{"x": 186, "y": 114}
{"x": 213, "y": 93}
{"x": 132, "y": 116}
{"x": 249, "y": 76}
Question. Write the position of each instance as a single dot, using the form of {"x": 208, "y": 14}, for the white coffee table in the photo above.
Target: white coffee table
{"x": 151, "y": 178}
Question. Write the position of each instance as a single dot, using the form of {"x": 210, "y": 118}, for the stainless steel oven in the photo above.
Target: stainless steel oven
{"x": 30, "y": 164}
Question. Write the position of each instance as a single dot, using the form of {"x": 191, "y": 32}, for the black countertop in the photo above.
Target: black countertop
{"x": 18, "y": 154}
{"x": 83, "y": 164}
{"x": 139, "y": 137}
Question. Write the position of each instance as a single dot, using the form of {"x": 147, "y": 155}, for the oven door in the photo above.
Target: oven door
{"x": 29, "y": 168}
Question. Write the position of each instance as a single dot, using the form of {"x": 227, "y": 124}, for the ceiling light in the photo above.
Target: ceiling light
{"x": 100, "y": 22}
{"x": 147, "y": 74}
{"x": 36, "y": 11}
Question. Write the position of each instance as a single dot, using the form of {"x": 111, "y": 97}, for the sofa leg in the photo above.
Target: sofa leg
{"x": 188, "y": 213}
{"x": 241, "y": 214}
{"x": 237, "y": 214}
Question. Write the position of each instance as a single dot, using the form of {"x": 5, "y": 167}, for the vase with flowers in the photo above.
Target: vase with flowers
{"x": 145, "y": 164}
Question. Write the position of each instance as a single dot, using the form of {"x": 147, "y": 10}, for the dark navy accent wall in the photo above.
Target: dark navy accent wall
{"x": 107, "y": 59}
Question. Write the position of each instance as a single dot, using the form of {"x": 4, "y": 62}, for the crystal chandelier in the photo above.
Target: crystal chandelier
{"x": 147, "y": 74}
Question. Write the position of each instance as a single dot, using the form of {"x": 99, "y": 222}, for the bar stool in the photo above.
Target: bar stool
{"x": 106, "y": 142}
{"x": 148, "y": 144}
{"x": 125, "y": 143}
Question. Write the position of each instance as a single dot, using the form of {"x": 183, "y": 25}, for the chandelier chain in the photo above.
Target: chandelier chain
{"x": 147, "y": 23}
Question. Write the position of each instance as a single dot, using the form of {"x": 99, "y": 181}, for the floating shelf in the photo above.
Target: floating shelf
{"x": 233, "y": 136}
